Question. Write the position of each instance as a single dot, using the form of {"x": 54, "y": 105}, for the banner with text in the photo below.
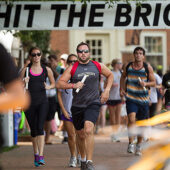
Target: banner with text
{"x": 64, "y": 15}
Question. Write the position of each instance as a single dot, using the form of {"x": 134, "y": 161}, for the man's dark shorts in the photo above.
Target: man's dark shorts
{"x": 142, "y": 111}
{"x": 80, "y": 115}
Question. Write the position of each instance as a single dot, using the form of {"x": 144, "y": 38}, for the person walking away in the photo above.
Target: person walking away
{"x": 86, "y": 101}
{"x": 37, "y": 112}
{"x": 136, "y": 78}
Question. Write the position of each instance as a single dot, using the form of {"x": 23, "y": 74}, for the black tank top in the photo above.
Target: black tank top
{"x": 36, "y": 86}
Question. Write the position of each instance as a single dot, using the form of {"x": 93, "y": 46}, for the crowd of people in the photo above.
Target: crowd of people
{"x": 82, "y": 92}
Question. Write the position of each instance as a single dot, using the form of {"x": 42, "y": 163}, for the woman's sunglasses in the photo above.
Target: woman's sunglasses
{"x": 36, "y": 54}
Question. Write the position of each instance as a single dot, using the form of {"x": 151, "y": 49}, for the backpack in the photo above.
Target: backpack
{"x": 145, "y": 66}
{"x": 74, "y": 68}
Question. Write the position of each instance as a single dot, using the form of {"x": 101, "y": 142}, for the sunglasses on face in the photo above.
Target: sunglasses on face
{"x": 81, "y": 51}
{"x": 36, "y": 54}
{"x": 72, "y": 61}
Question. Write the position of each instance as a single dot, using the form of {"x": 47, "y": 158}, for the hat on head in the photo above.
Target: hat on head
{"x": 64, "y": 56}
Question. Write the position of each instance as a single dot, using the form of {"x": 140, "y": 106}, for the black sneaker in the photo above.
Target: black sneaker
{"x": 65, "y": 140}
{"x": 83, "y": 166}
{"x": 89, "y": 166}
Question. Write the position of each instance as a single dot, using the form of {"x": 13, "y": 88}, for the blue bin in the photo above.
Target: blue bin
{"x": 17, "y": 117}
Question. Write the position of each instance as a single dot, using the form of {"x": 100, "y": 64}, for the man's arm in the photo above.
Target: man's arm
{"x": 62, "y": 83}
{"x": 108, "y": 74}
{"x": 151, "y": 82}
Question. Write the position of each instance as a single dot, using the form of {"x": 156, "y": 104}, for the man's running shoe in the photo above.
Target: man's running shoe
{"x": 41, "y": 160}
{"x": 72, "y": 162}
{"x": 83, "y": 166}
{"x": 89, "y": 165}
{"x": 36, "y": 160}
{"x": 131, "y": 148}
{"x": 138, "y": 150}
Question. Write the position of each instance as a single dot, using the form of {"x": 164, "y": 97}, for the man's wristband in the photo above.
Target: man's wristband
{"x": 72, "y": 86}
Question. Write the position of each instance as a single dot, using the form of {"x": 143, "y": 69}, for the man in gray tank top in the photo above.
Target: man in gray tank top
{"x": 86, "y": 102}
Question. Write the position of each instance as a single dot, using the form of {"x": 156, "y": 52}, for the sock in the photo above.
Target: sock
{"x": 83, "y": 159}
{"x": 73, "y": 157}
{"x": 89, "y": 161}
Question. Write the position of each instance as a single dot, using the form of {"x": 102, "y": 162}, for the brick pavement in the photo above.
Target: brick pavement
{"x": 107, "y": 156}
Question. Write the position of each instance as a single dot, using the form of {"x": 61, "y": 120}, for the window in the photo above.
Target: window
{"x": 96, "y": 49}
{"x": 153, "y": 44}
{"x": 154, "y": 50}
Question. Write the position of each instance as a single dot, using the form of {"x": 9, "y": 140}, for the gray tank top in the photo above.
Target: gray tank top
{"x": 90, "y": 92}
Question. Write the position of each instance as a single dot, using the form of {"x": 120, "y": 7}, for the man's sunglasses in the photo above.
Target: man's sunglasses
{"x": 36, "y": 54}
{"x": 81, "y": 51}
{"x": 72, "y": 61}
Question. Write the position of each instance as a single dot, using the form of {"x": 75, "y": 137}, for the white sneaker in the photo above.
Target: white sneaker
{"x": 138, "y": 150}
{"x": 72, "y": 162}
{"x": 131, "y": 148}
{"x": 114, "y": 138}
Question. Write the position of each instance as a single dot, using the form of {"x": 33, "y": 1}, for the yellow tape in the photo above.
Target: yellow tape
{"x": 158, "y": 119}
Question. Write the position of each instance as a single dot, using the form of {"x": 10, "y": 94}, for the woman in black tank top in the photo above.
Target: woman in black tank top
{"x": 36, "y": 114}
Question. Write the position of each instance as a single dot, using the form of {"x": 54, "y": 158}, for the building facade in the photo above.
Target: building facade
{"x": 109, "y": 44}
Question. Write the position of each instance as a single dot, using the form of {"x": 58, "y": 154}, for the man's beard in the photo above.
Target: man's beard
{"x": 84, "y": 61}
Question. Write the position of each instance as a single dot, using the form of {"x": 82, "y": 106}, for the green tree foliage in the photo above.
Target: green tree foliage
{"x": 34, "y": 38}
